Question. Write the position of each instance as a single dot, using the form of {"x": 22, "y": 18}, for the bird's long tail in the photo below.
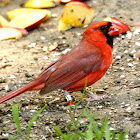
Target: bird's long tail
{"x": 36, "y": 84}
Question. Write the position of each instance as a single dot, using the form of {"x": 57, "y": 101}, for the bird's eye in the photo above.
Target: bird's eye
{"x": 102, "y": 28}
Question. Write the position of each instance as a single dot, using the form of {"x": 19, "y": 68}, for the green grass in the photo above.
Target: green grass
{"x": 17, "y": 122}
{"x": 74, "y": 129}
{"x": 90, "y": 130}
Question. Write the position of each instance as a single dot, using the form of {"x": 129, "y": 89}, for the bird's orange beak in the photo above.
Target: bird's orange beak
{"x": 117, "y": 27}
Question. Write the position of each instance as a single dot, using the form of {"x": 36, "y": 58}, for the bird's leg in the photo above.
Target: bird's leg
{"x": 68, "y": 97}
{"x": 95, "y": 97}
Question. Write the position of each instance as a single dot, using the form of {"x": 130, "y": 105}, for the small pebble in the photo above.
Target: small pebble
{"x": 111, "y": 128}
{"x": 42, "y": 38}
{"x": 114, "y": 51}
{"x": 79, "y": 106}
{"x": 31, "y": 62}
{"x": 122, "y": 68}
{"x": 64, "y": 41}
{"x": 118, "y": 57}
{"x": 32, "y": 45}
{"x": 66, "y": 50}
{"x": 138, "y": 108}
{"x": 110, "y": 112}
{"x": 12, "y": 77}
{"x": 137, "y": 82}
{"x": 5, "y": 134}
{"x": 127, "y": 104}
{"x": 45, "y": 49}
{"x": 6, "y": 122}
{"x": 137, "y": 44}
{"x": 54, "y": 15}
{"x": 122, "y": 76}
{"x": 78, "y": 34}
{"x": 133, "y": 51}
{"x": 126, "y": 51}
{"x": 112, "y": 108}
{"x": 128, "y": 109}
{"x": 82, "y": 121}
{"x": 34, "y": 123}
{"x": 47, "y": 127}
{"x": 126, "y": 137}
{"x": 122, "y": 36}
{"x": 45, "y": 57}
{"x": 4, "y": 60}
{"x": 129, "y": 60}
{"x": 35, "y": 58}
{"x": 85, "y": 26}
{"x": 137, "y": 31}
{"x": 127, "y": 119}
{"x": 130, "y": 64}
{"x": 6, "y": 88}
{"x": 129, "y": 35}
{"x": 123, "y": 103}
{"x": 138, "y": 135}
{"x": 100, "y": 106}
{"x": 28, "y": 75}
{"x": 32, "y": 111}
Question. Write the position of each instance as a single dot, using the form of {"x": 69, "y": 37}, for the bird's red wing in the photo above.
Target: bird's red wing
{"x": 72, "y": 70}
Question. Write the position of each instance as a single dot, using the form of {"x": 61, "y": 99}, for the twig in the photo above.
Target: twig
{"x": 4, "y": 66}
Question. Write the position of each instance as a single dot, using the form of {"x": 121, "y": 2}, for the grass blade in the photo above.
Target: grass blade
{"x": 90, "y": 132}
{"x": 122, "y": 135}
{"x": 107, "y": 132}
{"x": 113, "y": 134}
{"x": 59, "y": 132}
{"x": 84, "y": 90}
{"x": 15, "y": 137}
{"x": 92, "y": 121}
{"x": 16, "y": 116}
{"x": 34, "y": 119}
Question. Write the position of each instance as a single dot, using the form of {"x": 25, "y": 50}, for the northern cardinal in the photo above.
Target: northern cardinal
{"x": 89, "y": 60}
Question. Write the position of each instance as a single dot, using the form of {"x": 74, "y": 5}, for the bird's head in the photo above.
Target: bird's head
{"x": 110, "y": 26}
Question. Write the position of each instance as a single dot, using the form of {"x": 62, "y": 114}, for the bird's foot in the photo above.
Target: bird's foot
{"x": 95, "y": 97}
{"x": 68, "y": 98}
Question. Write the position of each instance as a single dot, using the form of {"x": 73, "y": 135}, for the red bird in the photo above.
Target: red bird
{"x": 89, "y": 60}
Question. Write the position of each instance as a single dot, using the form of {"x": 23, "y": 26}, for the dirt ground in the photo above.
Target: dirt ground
{"x": 26, "y": 58}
